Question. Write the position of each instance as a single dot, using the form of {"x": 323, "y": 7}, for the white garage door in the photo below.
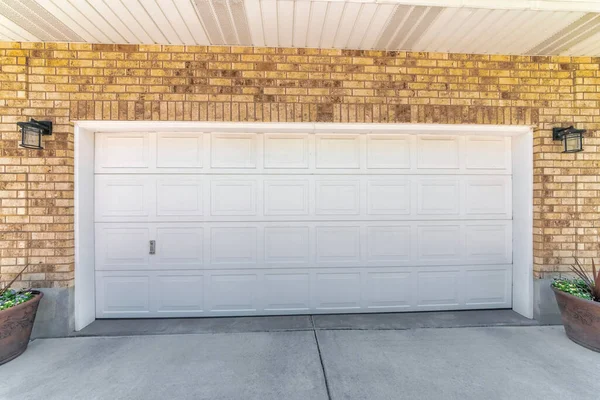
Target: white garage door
{"x": 251, "y": 224}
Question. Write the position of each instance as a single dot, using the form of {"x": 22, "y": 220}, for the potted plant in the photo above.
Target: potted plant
{"x": 17, "y": 314}
{"x": 579, "y": 303}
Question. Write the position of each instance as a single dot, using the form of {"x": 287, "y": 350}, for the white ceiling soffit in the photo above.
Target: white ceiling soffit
{"x": 531, "y": 27}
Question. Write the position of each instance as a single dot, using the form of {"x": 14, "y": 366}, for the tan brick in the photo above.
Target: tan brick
{"x": 221, "y": 83}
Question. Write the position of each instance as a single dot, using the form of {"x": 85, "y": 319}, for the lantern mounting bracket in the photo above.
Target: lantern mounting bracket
{"x": 43, "y": 126}
{"x": 559, "y": 133}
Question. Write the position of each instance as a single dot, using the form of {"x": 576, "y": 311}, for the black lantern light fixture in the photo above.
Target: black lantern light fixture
{"x": 572, "y": 138}
{"x": 32, "y": 132}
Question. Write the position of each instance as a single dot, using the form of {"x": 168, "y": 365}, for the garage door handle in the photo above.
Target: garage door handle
{"x": 153, "y": 247}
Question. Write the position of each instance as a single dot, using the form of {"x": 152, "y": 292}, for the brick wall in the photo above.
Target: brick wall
{"x": 66, "y": 82}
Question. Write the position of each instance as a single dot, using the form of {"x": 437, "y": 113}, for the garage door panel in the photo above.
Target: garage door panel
{"x": 338, "y": 197}
{"x": 287, "y": 246}
{"x": 234, "y": 246}
{"x": 490, "y": 196}
{"x": 233, "y": 292}
{"x": 295, "y": 153}
{"x": 337, "y": 291}
{"x": 233, "y": 197}
{"x": 293, "y": 291}
{"x": 267, "y": 224}
{"x": 389, "y": 245}
{"x": 179, "y": 195}
{"x": 339, "y": 245}
{"x": 179, "y": 247}
{"x": 180, "y": 150}
{"x": 440, "y": 244}
{"x": 490, "y": 243}
{"x": 284, "y": 151}
{"x": 438, "y": 196}
{"x": 487, "y": 152}
{"x": 389, "y": 151}
{"x": 124, "y": 197}
{"x": 129, "y": 152}
{"x": 179, "y": 292}
{"x": 122, "y": 248}
{"x": 388, "y": 196}
{"x": 286, "y": 292}
{"x": 488, "y": 286}
{"x": 438, "y": 152}
{"x": 296, "y": 198}
{"x": 286, "y": 197}
{"x": 338, "y": 151}
{"x": 234, "y": 150}
{"x": 389, "y": 290}
{"x": 438, "y": 288}
{"x": 122, "y": 295}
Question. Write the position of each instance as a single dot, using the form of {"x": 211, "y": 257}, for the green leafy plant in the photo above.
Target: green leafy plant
{"x": 11, "y": 297}
{"x": 583, "y": 286}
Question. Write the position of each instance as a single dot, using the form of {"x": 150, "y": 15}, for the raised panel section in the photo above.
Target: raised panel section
{"x": 338, "y": 197}
{"x": 388, "y": 244}
{"x": 389, "y": 290}
{"x": 438, "y": 152}
{"x": 438, "y": 197}
{"x": 488, "y": 196}
{"x": 234, "y": 246}
{"x": 286, "y": 151}
{"x": 388, "y": 151}
{"x": 123, "y": 196}
{"x": 287, "y": 292}
{"x": 122, "y": 248}
{"x": 179, "y": 247}
{"x": 388, "y": 197}
{"x": 286, "y": 197}
{"x": 487, "y": 287}
{"x": 233, "y": 150}
{"x": 338, "y": 151}
{"x": 180, "y": 293}
{"x": 179, "y": 195}
{"x": 230, "y": 197}
{"x": 487, "y": 152}
{"x": 439, "y": 243}
{"x": 233, "y": 293}
{"x": 287, "y": 245}
{"x": 122, "y": 150}
{"x": 338, "y": 244}
{"x": 438, "y": 288}
{"x": 336, "y": 291}
{"x": 122, "y": 294}
{"x": 489, "y": 243}
{"x": 179, "y": 150}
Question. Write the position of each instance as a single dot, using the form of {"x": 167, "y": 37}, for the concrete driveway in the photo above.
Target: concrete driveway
{"x": 457, "y": 363}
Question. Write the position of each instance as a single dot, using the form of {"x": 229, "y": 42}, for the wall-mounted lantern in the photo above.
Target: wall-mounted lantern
{"x": 572, "y": 138}
{"x": 32, "y": 132}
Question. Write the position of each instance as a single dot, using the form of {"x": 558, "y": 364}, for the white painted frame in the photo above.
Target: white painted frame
{"x": 522, "y": 167}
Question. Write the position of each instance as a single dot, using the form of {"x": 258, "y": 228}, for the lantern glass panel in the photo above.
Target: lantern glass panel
{"x": 32, "y": 138}
{"x": 573, "y": 142}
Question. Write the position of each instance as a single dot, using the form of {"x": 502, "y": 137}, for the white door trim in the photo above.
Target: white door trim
{"x": 522, "y": 159}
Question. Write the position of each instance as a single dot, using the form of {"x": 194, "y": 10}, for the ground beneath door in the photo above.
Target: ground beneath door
{"x": 393, "y": 321}
{"x": 524, "y": 362}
